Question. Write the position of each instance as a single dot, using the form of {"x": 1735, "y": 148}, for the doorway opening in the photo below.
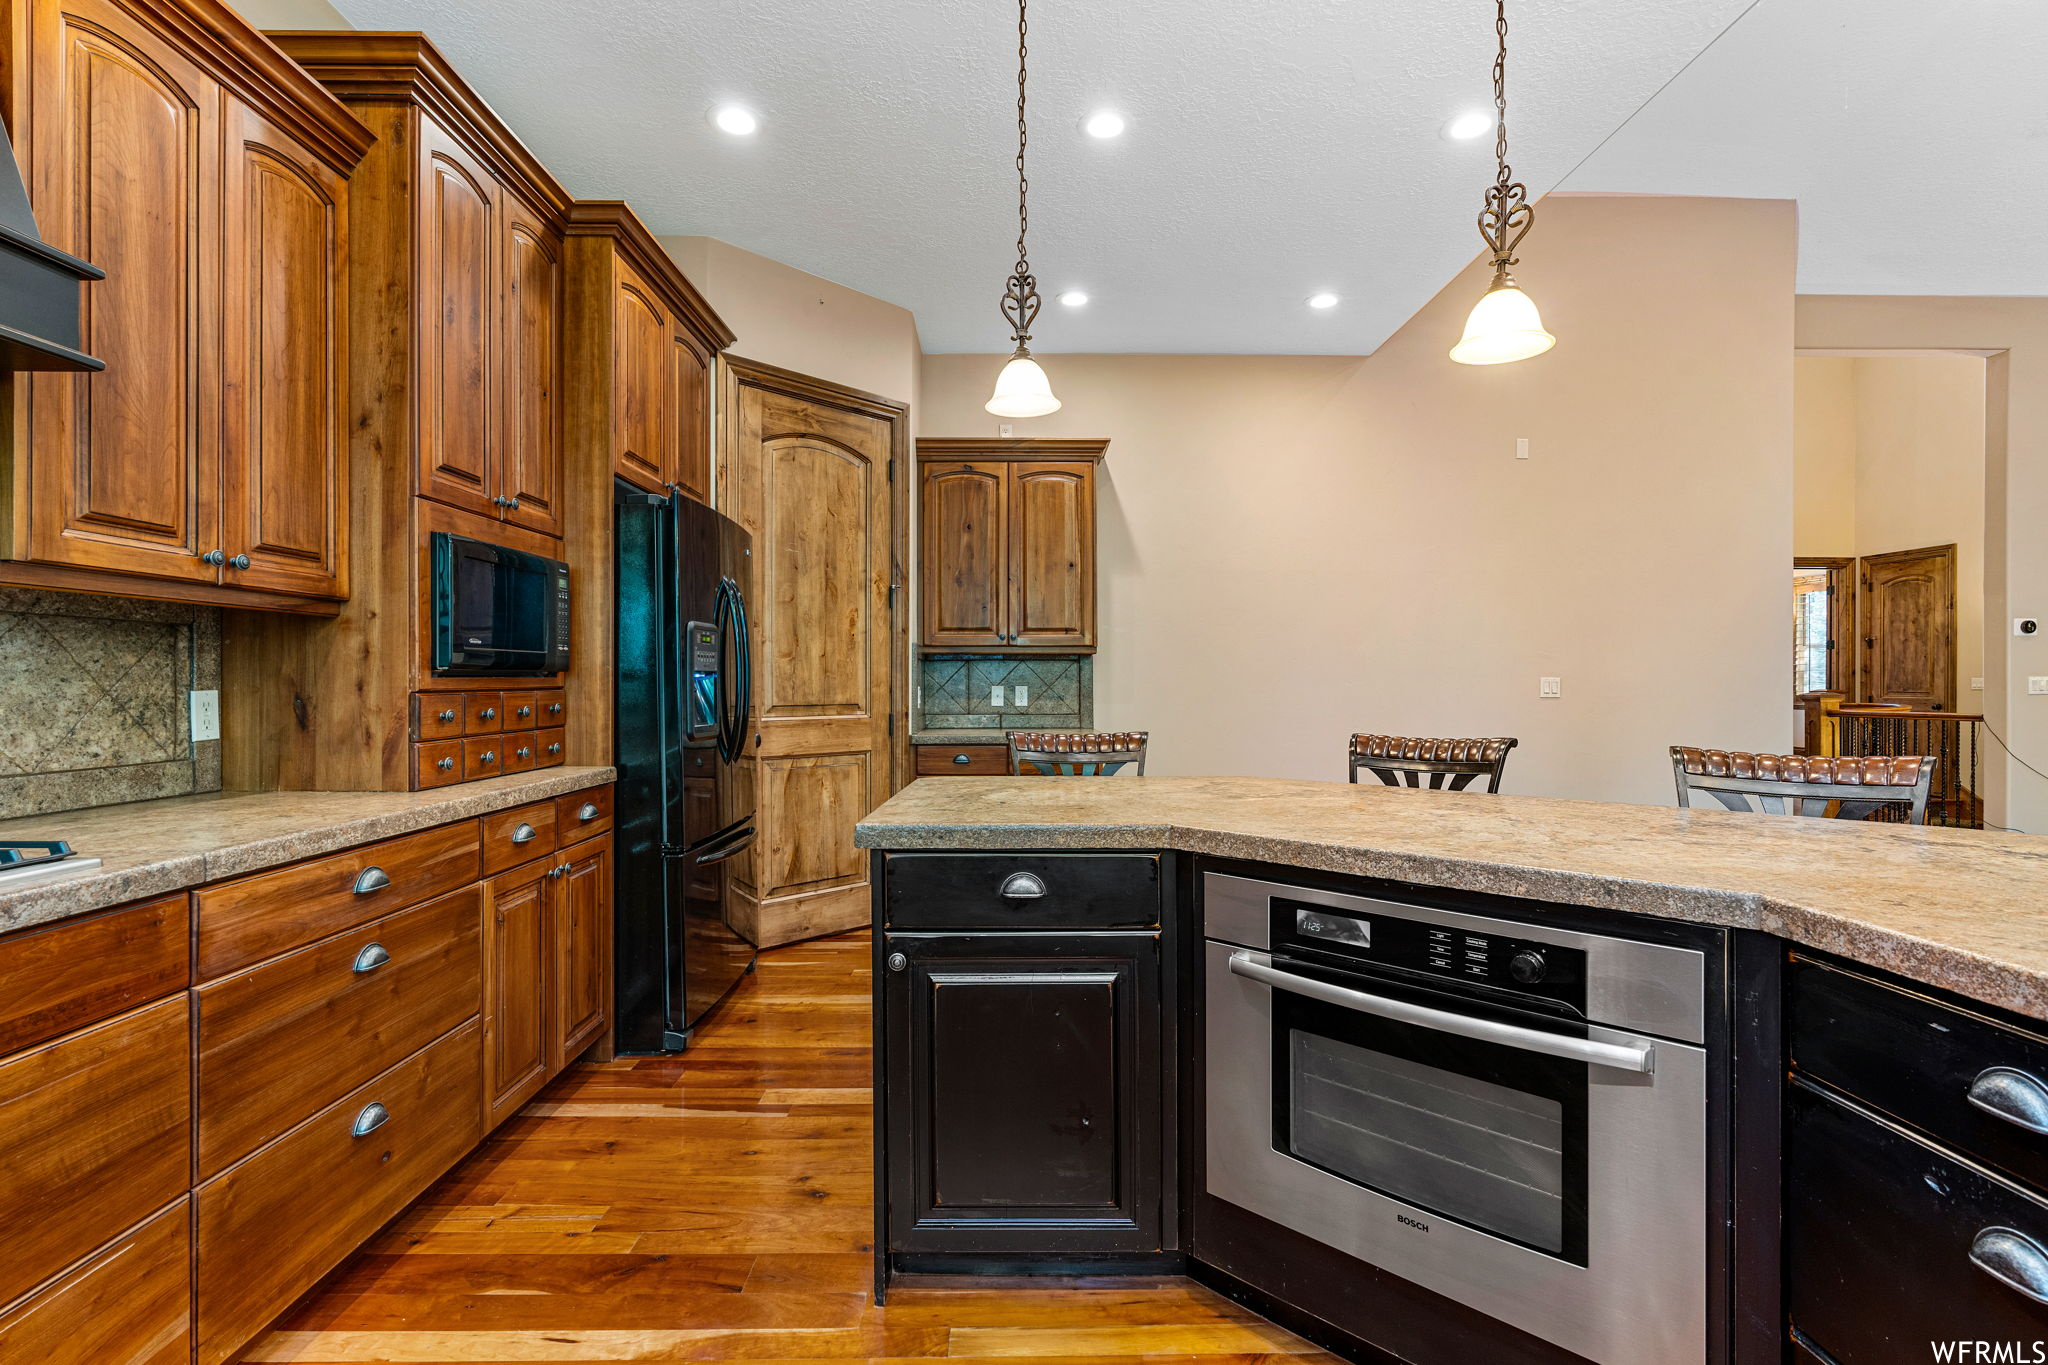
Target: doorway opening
{"x": 1888, "y": 568}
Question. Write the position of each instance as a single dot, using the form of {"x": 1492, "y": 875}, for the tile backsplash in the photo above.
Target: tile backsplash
{"x": 955, "y": 692}
{"x": 94, "y": 706}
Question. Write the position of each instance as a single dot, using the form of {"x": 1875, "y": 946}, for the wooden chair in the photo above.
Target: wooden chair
{"x": 1076, "y": 755}
{"x": 1450, "y": 764}
{"x": 1792, "y": 784}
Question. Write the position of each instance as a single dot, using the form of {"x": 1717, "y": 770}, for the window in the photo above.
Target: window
{"x": 1812, "y": 607}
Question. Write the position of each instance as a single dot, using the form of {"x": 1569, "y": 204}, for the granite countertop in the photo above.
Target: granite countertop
{"x": 1966, "y": 910}
{"x": 983, "y": 736}
{"x": 150, "y": 848}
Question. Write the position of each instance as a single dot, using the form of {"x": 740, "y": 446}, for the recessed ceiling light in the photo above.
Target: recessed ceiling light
{"x": 731, "y": 118}
{"x": 1103, "y": 123}
{"x": 1468, "y": 125}
{"x": 1322, "y": 300}
{"x": 1074, "y": 298}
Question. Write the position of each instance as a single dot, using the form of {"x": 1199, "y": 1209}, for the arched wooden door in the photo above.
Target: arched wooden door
{"x": 806, "y": 468}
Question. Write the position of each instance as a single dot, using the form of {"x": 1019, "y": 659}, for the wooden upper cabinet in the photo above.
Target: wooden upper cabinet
{"x": 284, "y": 472}
{"x": 531, "y": 481}
{"x": 966, "y": 524}
{"x": 459, "y": 257}
{"x": 205, "y": 461}
{"x": 689, "y": 386}
{"x": 1007, "y": 544}
{"x": 642, "y": 434}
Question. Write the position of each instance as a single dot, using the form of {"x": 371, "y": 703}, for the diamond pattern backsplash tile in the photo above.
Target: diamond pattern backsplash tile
{"x": 956, "y": 687}
{"x": 93, "y": 700}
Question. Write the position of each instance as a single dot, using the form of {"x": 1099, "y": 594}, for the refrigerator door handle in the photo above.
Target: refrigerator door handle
{"x": 744, "y": 719}
{"x": 731, "y": 847}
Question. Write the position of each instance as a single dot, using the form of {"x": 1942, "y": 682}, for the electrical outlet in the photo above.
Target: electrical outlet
{"x": 2037, "y": 687}
{"x": 1020, "y": 695}
{"x": 1004, "y": 429}
{"x": 995, "y": 695}
{"x": 1549, "y": 688}
{"x": 205, "y": 716}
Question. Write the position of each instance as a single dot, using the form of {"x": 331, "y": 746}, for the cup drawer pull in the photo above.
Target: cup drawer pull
{"x": 2016, "y": 1096}
{"x": 588, "y": 812}
{"x": 2013, "y": 1259}
{"x": 372, "y": 879}
{"x": 1022, "y": 886}
{"x": 962, "y": 758}
{"x": 525, "y": 833}
{"x": 373, "y": 956}
{"x": 373, "y": 1117}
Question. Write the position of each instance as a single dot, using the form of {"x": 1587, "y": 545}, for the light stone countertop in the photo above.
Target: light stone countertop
{"x": 982, "y": 736}
{"x": 151, "y": 848}
{"x": 1966, "y": 910}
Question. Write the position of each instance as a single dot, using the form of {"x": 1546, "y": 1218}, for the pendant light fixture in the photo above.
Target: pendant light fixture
{"x": 1504, "y": 325}
{"x": 1022, "y": 390}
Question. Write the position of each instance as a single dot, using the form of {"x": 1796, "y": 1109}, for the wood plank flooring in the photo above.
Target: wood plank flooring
{"x": 717, "y": 1206}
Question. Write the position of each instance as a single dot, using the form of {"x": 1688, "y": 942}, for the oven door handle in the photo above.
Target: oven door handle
{"x": 1259, "y": 967}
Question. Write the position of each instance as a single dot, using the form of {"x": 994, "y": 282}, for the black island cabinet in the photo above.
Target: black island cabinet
{"x": 1023, "y": 1092}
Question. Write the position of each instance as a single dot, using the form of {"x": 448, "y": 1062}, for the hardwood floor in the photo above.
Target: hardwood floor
{"x": 716, "y": 1206}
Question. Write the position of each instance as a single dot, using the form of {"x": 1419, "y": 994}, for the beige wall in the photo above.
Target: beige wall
{"x": 1824, "y": 456}
{"x": 786, "y": 317}
{"x": 2015, "y": 334}
{"x": 1294, "y": 548}
{"x": 291, "y": 14}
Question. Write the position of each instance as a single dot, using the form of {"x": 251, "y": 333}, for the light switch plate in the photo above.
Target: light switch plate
{"x": 205, "y": 716}
{"x": 1004, "y": 429}
{"x": 995, "y": 695}
{"x": 1521, "y": 447}
{"x": 1020, "y": 695}
{"x": 1550, "y": 688}
{"x": 1976, "y": 684}
{"x": 2037, "y": 687}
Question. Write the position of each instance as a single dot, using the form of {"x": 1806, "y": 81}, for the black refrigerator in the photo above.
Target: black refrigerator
{"x": 683, "y": 712}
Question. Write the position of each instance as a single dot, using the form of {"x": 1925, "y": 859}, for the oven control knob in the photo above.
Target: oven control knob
{"x": 1527, "y": 966}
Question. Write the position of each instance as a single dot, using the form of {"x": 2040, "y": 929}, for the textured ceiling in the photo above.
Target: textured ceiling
{"x": 1913, "y": 133}
{"x": 1276, "y": 147}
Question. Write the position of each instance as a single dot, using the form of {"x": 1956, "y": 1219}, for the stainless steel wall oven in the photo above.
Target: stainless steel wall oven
{"x": 1507, "y": 1113}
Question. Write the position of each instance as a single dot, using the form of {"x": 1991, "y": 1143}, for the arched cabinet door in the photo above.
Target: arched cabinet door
{"x": 642, "y": 427}
{"x": 966, "y": 530}
{"x": 123, "y": 169}
{"x": 1052, "y": 550}
{"x": 284, "y": 446}
{"x": 531, "y": 477}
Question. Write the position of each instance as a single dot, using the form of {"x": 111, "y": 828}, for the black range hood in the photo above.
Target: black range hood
{"x": 38, "y": 286}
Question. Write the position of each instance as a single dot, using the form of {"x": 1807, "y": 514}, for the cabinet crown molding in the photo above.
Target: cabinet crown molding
{"x": 406, "y": 68}
{"x": 614, "y": 219}
{"x": 1000, "y": 448}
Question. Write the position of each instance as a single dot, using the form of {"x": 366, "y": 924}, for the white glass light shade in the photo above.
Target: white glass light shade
{"x": 1504, "y": 326}
{"x": 1022, "y": 390}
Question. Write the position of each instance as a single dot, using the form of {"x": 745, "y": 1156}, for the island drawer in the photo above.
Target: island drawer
{"x": 1880, "y": 1234}
{"x": 96, "y": 1128}
{"x": 251, "y": 918}
{"x": 270, "y": 1227}
{"x": 280, "y": 1041}
{"x": 60, "y": 977}
{"x": 963, "y": 760}
{"x": 1022, "y": 890}
{"x": 130, "y": 1304}
{"x": 1968, "y": 1081}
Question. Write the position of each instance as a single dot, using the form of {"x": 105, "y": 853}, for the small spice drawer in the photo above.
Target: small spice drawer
{"x": 483, "y": 713}
{"x": 552, "y": 707}
{"x": 522, "y": 710}
{"x": 522, "y": 751}
{"x": 436, "y": 764}
{"x": 519, "y": 835}
{"x": 437, "y": 715}
{"x": 483, "y": 756}
{"x": 547, "y": 748}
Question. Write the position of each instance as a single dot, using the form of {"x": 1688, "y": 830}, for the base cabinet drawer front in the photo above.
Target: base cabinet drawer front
{"x": 963, "y": 760}
{"x": 1022, "y": 890}
{"x": 581, "y": 814}
{"x": 270, "y": 1227}
{"x": 95, "y": 1129}
{"x": 281, "y": 1041}
{"x": 1969, "y": 1082}
{"x": 129, "y": 1304}
{"x": 1883, "y": 1235}
{"x": 1023, "y": 1093}
{"x": 519, "y": 835}
{"x": 243, "y": 922}
{"x": 77, "y": 972}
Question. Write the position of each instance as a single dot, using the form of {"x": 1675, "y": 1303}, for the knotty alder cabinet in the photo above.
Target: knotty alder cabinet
{"x": 175, "y": 148}
{"x": 208, "y": 1100}
{"x": 1007, "y": 544}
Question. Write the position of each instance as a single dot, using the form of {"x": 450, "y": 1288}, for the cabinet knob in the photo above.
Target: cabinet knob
{"x": 2008, "y": 1093}
{"x": 962, "y": 758}
{"x": 554, "y": 708}
{"x": 2013, "y": 1259}
{"x": 445, "y": 716}
{"x": 488, "y": 756}
{"x": 371, "y": 879}
{"x": 239, "y": 562}
{"x": 897, "y": 962}
{"x": 216, "y": 558}
{"x": 445, "y": 764}
{"x": 372, "y": 1117}
{"x": 524, "y": 833}
{"x": 1022, "y": 886}
{"x": 522, "y": 751}
{"x": 373, "y": 956}
{"x": 489, "y": 713}
{"x": 523, "y": 712}
{"x": 554, "y": 749}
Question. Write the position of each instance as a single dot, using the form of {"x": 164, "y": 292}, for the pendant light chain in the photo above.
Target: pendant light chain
{"x": 1505, "y": 220}
{"x": 1020, "y": 299}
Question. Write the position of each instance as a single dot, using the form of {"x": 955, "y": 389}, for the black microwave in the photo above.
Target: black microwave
{"x": 498, "y": 611}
